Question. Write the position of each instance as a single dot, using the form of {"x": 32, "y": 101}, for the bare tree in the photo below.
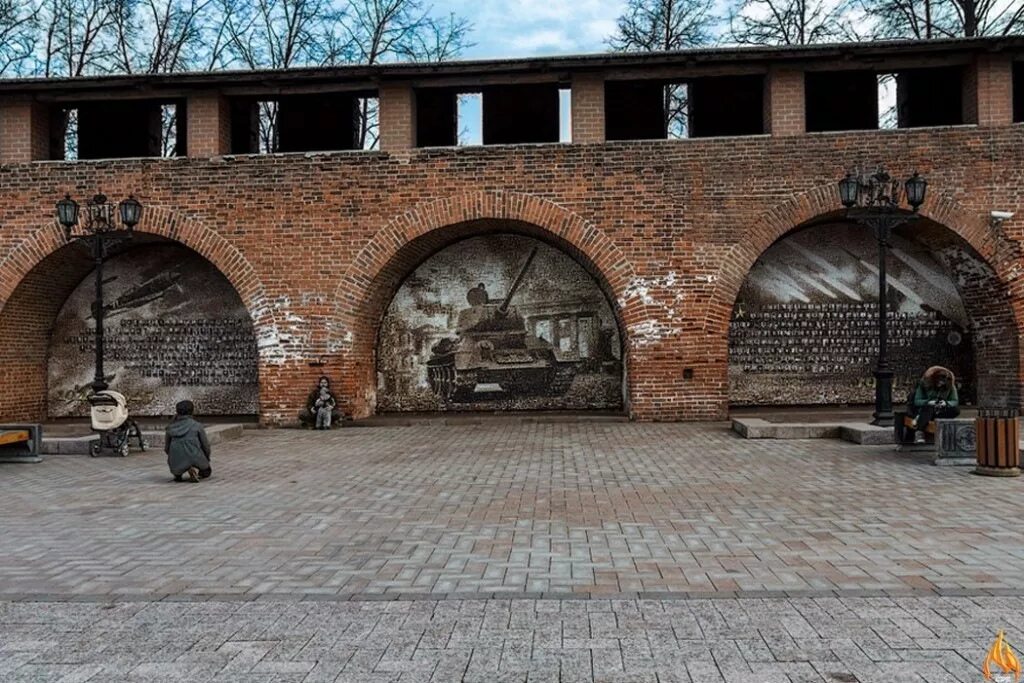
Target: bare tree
{"x": 789, "y": 22}
{"x": 18, "y": 36}
{"x": 924, "y": 19}
{"x": 384, "y": 30}
{"x": 161, "y": 36}
{"x": 78, "y": 36}
{"x": 658, "y": 25}
{"x": 662, "y": 25}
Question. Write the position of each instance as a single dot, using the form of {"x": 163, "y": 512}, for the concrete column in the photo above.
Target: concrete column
{"x": 588, "y": 108}
{"x": 784, "y": 112}
{"x": 24, "y": 132}
{"x": 988, "y": 91}
{"x": 209, "y": 125}
{"x": 397, "y": 116}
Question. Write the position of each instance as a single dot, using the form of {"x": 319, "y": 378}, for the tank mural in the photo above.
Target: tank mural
{"x": 175, "y": 329}
{"x": 804, "y": 329}
{"x": 499, "y": 322}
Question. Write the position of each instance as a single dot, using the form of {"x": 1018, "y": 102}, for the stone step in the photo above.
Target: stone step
{"x": 79, "y": 445}
{"x": 756, "y": 428}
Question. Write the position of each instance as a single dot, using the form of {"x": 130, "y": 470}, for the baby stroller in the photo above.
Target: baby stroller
{"x": 116, "y": 429}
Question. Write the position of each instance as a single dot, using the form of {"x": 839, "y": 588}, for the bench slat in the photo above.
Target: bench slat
{"x": 14, "y": 436}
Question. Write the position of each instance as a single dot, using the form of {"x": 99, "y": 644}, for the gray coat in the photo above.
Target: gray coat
{"x": 186, "y": 445}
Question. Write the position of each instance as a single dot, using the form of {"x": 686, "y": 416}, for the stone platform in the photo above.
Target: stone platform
{"x": 79, "y": 445}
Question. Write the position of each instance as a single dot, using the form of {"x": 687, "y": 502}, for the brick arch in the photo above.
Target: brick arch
{"x": 1000, "y": 382}
{"x": 180, "y": 228}
{"x": 20, "y": 282}
{"x": 369, "y": 282}
{"x": 814, "y": 204}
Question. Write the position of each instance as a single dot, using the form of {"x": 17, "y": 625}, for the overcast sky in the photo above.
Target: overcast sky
{"x": 523, "y": 28}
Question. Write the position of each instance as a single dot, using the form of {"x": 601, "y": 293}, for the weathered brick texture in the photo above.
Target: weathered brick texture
{"x": 316, "y": 244}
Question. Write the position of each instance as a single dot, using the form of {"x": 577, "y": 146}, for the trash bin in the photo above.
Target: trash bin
{"x": 998, "y": 433}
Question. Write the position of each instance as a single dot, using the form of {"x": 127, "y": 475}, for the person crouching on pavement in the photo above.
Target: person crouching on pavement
{"x": 186, "y": 445}
{"x": 934, "y": 397}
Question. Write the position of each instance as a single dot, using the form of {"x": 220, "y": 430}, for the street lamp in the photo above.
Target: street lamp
{"x": 100, "y": 232}
{"x": 874, "y": 201}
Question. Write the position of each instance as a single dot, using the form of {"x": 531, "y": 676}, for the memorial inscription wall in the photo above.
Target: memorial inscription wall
{"x": 805, "y": 326}
{"x": 175, "y": 329}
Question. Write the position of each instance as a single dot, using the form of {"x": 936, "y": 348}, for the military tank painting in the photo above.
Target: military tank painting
{"x": 527, "y": 328}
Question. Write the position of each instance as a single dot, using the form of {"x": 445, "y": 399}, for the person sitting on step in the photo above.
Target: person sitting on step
{"x": 934, "y": 397}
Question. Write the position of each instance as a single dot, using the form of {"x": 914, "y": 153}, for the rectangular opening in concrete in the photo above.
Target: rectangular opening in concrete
{"x": 245, "y": 114}
{"x": 521, "y": 113}
{"x": 63, "y": 133}
{"x": 565, "y": 115}
{"x": 1018, "y": 92}
{"x": 437, "y": 117}
{"x": 470, "y": 118}
{"x": 368, "y": 128}
{"x": 636, "y": 110}
{"x": 841, "y": 100}
{"x": 173, "y": 131}
{"x": 322, "y": 122}
{"x": 726, "y": 105}
{"x": 929, "y": 97}
{"x": 119, "y": 129}
{"x": 887, "y": 118}
{"x": 696, "y": 108}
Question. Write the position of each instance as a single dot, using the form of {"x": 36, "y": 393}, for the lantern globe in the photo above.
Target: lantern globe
{"x": 849, "y": 189}
{"x": 915, "y": 188}
{"x": 131, "y": 212}
{"x": 67, "y": 212}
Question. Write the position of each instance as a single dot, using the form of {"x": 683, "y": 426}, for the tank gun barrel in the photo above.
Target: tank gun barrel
{"x": 503, "y": 309}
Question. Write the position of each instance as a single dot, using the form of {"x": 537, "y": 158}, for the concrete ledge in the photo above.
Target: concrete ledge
{"x": 79, "y": 445}
{"x": 21, "y": 458}
{"x": 868, "y": 435}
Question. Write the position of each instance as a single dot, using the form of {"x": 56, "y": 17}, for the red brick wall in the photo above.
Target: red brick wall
{"x": 316, "y": 243}
{"x": 25, "y": 324}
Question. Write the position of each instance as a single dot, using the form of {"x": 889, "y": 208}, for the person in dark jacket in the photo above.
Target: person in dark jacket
{"x": 935, "y": 396}
{"x": 186, "y": 445}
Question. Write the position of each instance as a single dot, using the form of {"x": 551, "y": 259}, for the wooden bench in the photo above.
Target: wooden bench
{"x": 20, "y": 443}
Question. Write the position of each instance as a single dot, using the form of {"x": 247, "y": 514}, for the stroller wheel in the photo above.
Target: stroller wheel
{"x": 94, "y": 449}
{"x": 143, "y": 445}
{"x": 122, "y": 450}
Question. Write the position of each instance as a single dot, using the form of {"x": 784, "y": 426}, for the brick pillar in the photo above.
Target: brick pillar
{"x": 588, "y": 108}
{"x": 24, "y": 132}
{"x": 988, "y": 91}
{"x": 209, "y": 126}
{"x": 784, "y": 112}
{"x": 397, "y": 116}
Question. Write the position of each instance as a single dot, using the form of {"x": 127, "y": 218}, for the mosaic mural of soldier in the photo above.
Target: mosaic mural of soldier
{"x": 499, "y": 322}
{"x": 805, "y": 326}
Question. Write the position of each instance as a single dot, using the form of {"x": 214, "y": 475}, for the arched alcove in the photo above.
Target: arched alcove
{"x": 495, "y": 317}
{"x": 175, "y": 328}
{"x": 804, "y": 324}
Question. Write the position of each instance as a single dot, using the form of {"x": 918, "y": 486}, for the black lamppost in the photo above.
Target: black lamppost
{"x": 874, "y": 201}
{"x": 100, "y": 232}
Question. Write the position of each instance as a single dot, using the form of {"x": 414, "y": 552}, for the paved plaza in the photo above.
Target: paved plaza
{"x": 509, "y": 551}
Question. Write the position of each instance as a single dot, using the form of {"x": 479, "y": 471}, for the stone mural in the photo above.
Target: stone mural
{"x": 174, "y": 329}
{"x": 499, "y": 322}
{"x": 805, "y": 326}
